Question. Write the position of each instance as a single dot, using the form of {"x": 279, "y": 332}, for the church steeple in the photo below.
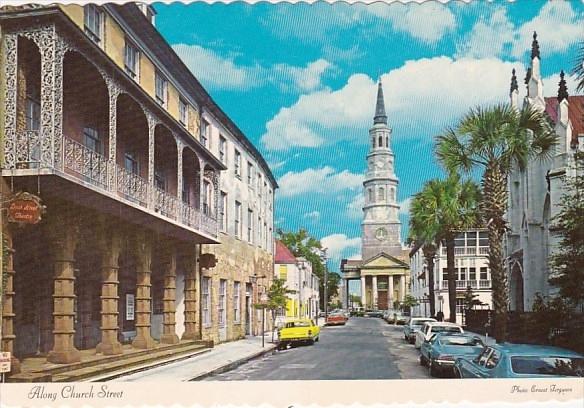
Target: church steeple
{"x": 380, "y": 116}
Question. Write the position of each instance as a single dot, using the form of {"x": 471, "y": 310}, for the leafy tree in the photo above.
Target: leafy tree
{"x": 408, "y": 303}
{"x": 578, "y": 70}
{"x": 567, "y": 263}
{"x": 470, "y": 299}
{"x": 496, "y": 139}
{"x": 438, "y": 213}
{"x": 277, "y": 299}
{"x": 302, "y": 244}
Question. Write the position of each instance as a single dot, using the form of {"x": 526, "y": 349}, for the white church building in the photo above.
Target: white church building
{"x": 534, "y": 193}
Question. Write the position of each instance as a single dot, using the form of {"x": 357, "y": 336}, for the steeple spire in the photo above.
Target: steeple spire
{"x": 380, "y": 116}
{"x": 563, "y": 89}
{"x": 514, "y": 86}
{"x": 534, "y": 47}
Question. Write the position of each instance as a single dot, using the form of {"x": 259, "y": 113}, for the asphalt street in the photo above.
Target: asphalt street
{"x": 363, "y": 349}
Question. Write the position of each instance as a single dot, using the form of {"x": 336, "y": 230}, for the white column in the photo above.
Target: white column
{"x": 390, "y": 291}
{"x": 363, "y": 292}
{"x": 402, "y": 287}
{"x": 374, "y": 292}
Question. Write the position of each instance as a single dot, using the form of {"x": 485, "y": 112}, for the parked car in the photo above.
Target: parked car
{"x": 374, "y": 313}
{"x": 297, "y": 331}
{"x": 335, "y": 319}
{"x": 509, "y": 360}
{"x": 415, "y": 324}
{"x": 430, "y": 328}
{"x": 441, "y": 351}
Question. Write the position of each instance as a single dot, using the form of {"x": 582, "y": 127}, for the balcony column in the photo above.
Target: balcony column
{"x": 390, "y": 293}
{"x": 152, "y": 122}
{"x": 191, "y": 289}
{"x": 110, "y": 245}
{"x": 201, "y": 177}
{"x": 11, "y": 92}
{"x": 169, "y": 308}
{"x": 374, "y": 291}
{"x": 113, "y": 92}
{"x": 8, "y": 335}
{"x": 64, "y": 233}
{"x": 179, "y": 170}
{"x": 143, "y": 251}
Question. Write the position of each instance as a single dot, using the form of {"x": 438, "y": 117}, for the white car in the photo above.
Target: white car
{"x": 413, "y": 326}
{"x": 431, "y": 328}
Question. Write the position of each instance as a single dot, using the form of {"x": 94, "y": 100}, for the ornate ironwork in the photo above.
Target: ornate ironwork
{"x": 165, "y": 203}
{"x": 133, "y": 187}
{"x": 90, "y": 165}
{"x": 28, "y": 149}
{"x": 10, "y": 73}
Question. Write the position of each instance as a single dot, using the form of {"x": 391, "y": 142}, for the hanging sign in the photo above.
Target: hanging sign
{"x": 4, "y": 362}
{"x": 208, "y": 261}
{"x": 130, "y": 306}
{"x": 25, "y": 208}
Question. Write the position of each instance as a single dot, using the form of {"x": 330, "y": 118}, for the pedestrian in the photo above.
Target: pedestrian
{"x": 440, "y": 316}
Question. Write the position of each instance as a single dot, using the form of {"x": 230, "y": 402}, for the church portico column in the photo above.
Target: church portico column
{"x": 363, "y": 292}
{"x": 143, "y": 252}
{"x": 390, "y": 293}
{"x": 374, "y": 292}
{"x": 110, "y": 247}
{"x": 169, "y": 335}
{"x": 402, "y": 288}
{"x": 64, "y": 239}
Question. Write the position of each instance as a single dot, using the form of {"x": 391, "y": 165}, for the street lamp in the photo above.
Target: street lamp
{"x": 253, "y": 280}
{"x": 263, "y": 301}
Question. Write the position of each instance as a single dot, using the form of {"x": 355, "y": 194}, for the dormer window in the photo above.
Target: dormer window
{"x": 131, "y": 57}
{"x": 161, "y": 89}
{"x": 183, "y": 112}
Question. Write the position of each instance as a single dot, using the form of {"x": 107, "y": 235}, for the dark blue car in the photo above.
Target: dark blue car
{"x": 508, "y": 360}
{"x": 441, "y": 351}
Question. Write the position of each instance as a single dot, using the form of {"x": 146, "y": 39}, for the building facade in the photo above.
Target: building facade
{"x": 303, "y": 284}
{"x": 535, "y": 192}
{"x": 103, "y": 122}
{"x": 471, "y": 270}
{"x": 382, "y": 269}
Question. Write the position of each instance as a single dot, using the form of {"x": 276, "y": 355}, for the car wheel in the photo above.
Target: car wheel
{"x": 310, "y": 342}
{"x": 317, "y": 338}
{"x": 457, "y": 373}
{"x": 422, "y": 361}
{"x": 434, "y": 372}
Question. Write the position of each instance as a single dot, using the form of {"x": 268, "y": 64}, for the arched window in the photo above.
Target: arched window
{"x": 373, "y": 141}
{"x": 381, "y": 194}
{"x": 387, "y": 142}
{"x": 392, "y": 194}
{"x": 380, "y": 144}
{"x": 370, "y": 191}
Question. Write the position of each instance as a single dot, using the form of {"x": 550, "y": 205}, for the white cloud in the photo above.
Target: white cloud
{"x": 404, "y": 206}
{"x": 312, "y": 215}
{"x": 557, "y": 24}
{"x": 355, "y": 207}
{"x": 421, "y": 97}
{"x": 428, "y": 21}
{"x": 337, "y": 244}
{"x": 320, "y": 180}
{"x": 218, "y": 72}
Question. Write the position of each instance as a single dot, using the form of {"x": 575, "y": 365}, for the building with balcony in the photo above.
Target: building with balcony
{"x": 303, "y": 284}
{"x": 471, "y": 270}
{"x": 105, "y": 123}
{"x": 535, "y": 192}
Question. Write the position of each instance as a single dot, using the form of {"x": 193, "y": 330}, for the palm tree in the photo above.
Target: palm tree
{"x": 496, "y": 139}
{"x": 439, "y": 212}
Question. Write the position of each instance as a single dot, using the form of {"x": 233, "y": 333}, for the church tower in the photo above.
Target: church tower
{"x": 381, "y": 226}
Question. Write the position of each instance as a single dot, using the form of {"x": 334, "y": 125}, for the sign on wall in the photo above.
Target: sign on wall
{"x": 4, "y": 362}
{"x": 25, "y": 208}
{"x": 130, "y": 306}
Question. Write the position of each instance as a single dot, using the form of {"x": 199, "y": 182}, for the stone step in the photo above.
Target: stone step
{"x": 124, "y": 366}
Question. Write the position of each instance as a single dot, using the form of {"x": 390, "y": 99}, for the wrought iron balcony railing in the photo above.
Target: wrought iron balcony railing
{"x": 463, "y": 284}
{"x": 93, "y": 168}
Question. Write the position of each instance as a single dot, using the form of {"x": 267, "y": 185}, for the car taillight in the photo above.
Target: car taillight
{"x": 309, "y": 332}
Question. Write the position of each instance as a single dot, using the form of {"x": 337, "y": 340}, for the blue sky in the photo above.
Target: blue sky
{"x": 299, "y": 80}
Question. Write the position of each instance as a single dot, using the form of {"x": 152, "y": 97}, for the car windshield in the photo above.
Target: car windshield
{"x": 548, "y": 365}
{"x": 460, "y": 341}
{"x": 446, "y": 329}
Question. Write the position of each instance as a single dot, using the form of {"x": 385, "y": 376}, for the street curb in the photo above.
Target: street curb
{"x": 233, "y": 364}
{"x": 117, "y": 374}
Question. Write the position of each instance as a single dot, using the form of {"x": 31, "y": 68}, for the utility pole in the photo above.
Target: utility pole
{"x": 325, "y": 303}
